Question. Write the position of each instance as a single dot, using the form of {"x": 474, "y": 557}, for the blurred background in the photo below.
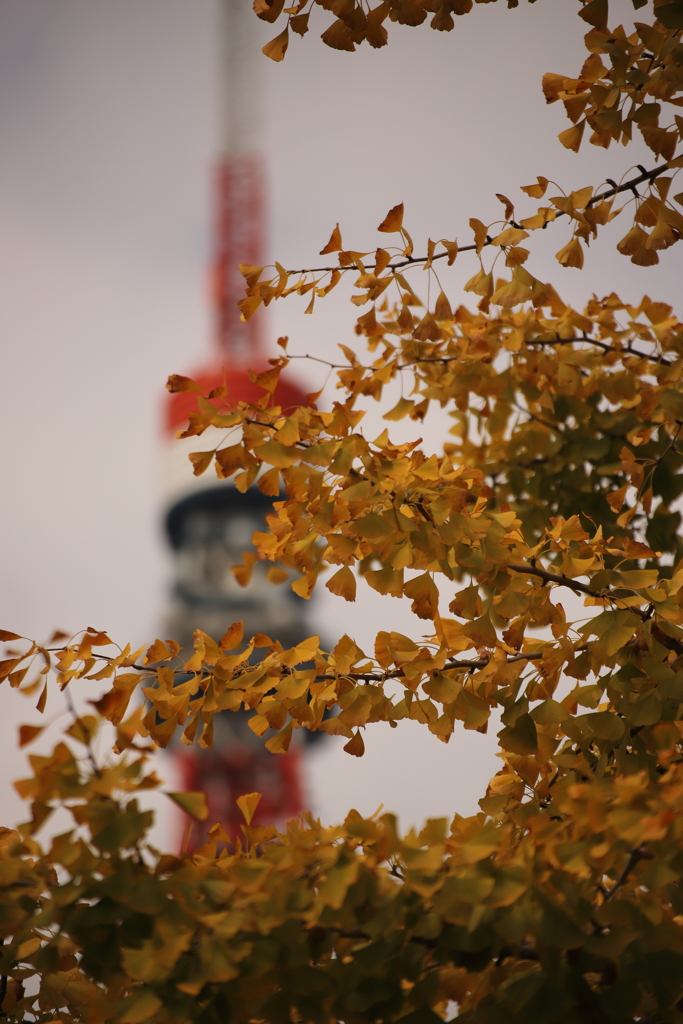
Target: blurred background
{"x": 109, "y": 126}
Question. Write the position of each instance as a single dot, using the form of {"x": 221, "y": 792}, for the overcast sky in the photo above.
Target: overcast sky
{"x": 108, "y": 128}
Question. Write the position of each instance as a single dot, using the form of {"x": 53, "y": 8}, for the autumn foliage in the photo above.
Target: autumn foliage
{"x": 562, "y": 900}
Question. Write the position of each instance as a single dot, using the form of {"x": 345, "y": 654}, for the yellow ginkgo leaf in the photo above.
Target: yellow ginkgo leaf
{"x": 248, "y": 803}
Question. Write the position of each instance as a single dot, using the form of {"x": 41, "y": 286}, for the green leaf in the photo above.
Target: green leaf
{"x": 549, "y": 713}
{"x": 606, "y": 725}
{"x": 193, "y": 804}
{"x": 613, "y": 628}
{"x": 124, "y": 831}
{"x": 520, "y": 738}
{"x": 647, "y": 711}
{"x": 140, "y": 1006}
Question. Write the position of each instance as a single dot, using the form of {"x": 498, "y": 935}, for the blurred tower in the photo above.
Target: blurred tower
{"x": 208, "y": 522}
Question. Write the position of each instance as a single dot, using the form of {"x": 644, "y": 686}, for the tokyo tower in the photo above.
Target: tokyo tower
{"x": 208, "y": 522}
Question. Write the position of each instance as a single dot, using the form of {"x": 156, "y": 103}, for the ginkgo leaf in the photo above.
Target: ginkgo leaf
{"x": 83, "y": 729}
{"x": 140, "y": 1006}
{"x": 42, "y": 699}
{"x": 424, "y": 595}
{"x": 201, "y": 461}
{"x": 28, "y": 733}
{"x": 481, "y": 631}
{"x": 343, "y": 584}
{"x": 571, "y": 137}
{"x": 277, "y": 47}
{"x": 393, "y": 220}
{"x": 335, "y": 242}
{"x": 276, "y": 575}
{"x": 232, "y": 637}
{"x": 355, "y": 746}
{"x": 403, "y": 408}
{"x": 193, "y": 804}
{"x": 277, "y": 454}
{"x": 248, "y": 804}
{"x": 218, "y": 833}
{"x": 177, "y": 383}
{"x": 520, "y": 738}
{"x": 305, "y": 584}
{"x": 158, "y": 651}
{"x": 452, "y": 250}
{"x": 613, "y": 629}
{"x": 269, "y": 482}
{"x": 571, "y": 255}
{"x": 538, "y": 190}
{"x": 279, "y": 744}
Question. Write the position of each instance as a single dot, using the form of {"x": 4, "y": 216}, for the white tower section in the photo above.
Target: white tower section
{"x": 241, "y": 82}
{"x": 240, "y": 199}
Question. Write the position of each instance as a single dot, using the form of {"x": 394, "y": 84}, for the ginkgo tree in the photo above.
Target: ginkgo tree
{"x": 562, "y": 899}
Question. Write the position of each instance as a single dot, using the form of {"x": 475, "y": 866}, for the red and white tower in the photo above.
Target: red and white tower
{"x": 208, "y": 522}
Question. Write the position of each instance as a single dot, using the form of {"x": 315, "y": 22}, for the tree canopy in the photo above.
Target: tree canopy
{"x": 561, "y": 901}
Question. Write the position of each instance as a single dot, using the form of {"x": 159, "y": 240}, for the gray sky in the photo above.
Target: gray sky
{"x": 108, "y": 128}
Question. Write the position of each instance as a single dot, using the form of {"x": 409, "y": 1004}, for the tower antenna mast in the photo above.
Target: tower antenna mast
{"x": 240, "y": 185}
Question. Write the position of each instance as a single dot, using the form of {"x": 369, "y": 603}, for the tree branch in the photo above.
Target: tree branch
{"x": 409, "y": 261}
{"x": 603, "y": 345}
{"x": 566, "y": 581}
{"x": 560, "y": 579}
{"x": 529, "y": 341}
{"x": 640, "y": 853}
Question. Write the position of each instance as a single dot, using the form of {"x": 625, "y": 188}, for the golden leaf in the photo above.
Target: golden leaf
{"x": 158, "y": 651}
{"x": 335, "y": 242}
{"x": 27, "y": 733}
{"x": 248, "y": 804}
{"x": 232, "y": 637}
{"x": 393, "y": 220}
{"x": 343, "y": 584}
{"x": 5, "y": 636}
{"x": 424, "y": 594}
{"x": 277, "y": 48}
{"x": 452, "y": 250}
{"x": 480, "y": 232}
{"x": 538, "y": 190}
{"x": 200, "y": 461}
{"x": 279, "y": 744}
{"x": 176, "y": 383}
{"x": 276, "y": 575}
{"x": 355, "y": 746}
{"x": 571, "y": 255}
{"x": 571, "y": 137}
{"x": 305, "y": 584}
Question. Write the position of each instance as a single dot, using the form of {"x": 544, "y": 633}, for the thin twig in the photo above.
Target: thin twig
{"x": 626, "y": 350}
{"x": 76, "y": 717}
